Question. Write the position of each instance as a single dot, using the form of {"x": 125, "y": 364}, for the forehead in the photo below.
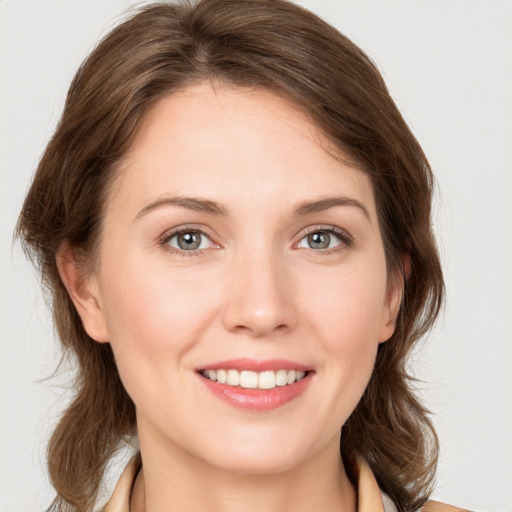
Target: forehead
{"x": 213, "y": 138}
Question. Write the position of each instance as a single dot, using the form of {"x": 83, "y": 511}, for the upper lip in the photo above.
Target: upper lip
{"x": 256, "y": 365}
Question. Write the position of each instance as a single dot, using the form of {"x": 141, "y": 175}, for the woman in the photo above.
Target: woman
{"x": 234, "y": 222}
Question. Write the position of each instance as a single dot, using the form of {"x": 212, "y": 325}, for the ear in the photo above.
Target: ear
{"x": 83, "y": 290}
{"x": 393, "y": 301}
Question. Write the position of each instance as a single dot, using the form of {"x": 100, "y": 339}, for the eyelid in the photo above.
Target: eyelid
{"x": 345, "y": 237}
{"x": 167, "y": 235}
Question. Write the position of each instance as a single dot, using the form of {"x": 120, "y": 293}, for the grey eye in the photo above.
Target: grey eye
{"x": 321, "y": 239}
{"x": 189, "y": 241}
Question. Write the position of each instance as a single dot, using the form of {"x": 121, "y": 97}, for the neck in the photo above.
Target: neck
{"x": 172, "y": 480}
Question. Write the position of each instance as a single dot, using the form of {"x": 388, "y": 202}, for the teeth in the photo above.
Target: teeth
{"x": 267, "y": 380}
{"x": 248, "y": 380}
{"x": 281, "y": 378}
{"x": 233, "y": 378}
{"x": 252, "y": 380}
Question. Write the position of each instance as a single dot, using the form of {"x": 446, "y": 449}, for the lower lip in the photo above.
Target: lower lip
{"x": 258, "y": 399}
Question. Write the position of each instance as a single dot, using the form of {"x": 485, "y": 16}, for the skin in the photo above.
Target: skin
{"x": 254, "y": 289}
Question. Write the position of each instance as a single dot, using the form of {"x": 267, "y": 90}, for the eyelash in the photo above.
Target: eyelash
{"x": 169, "y": 235}
{"x": 346, "y": 240}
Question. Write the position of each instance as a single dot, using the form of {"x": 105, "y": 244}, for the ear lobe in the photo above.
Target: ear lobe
{"x": 84, "y": 292}
{"x": 391, "y": 307}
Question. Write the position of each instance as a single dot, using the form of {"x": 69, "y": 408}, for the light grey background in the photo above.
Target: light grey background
{"x": 448, "y": 64}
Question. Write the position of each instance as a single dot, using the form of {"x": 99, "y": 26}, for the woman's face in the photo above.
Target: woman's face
{"x": 234, "y": 246}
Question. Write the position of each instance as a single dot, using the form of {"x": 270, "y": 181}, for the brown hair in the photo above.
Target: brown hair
{"x": 270, "y": 44}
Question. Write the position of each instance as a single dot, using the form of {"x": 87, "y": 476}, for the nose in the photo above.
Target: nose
{"x": 259, "y": 297}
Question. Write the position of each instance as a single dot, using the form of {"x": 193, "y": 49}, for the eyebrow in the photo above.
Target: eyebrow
{"x": 321, "y": 205}
{"x": 191, "y": 203}
{"x": 206, "y": 206}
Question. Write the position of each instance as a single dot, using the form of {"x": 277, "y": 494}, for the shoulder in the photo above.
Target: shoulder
{"x": 430, "y": 506}
{"x": 436, "y": 506}
{"x": 373, "y": 499}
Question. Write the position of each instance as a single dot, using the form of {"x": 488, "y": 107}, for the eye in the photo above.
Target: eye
{"x": 322, "y": 239}
{"x": 188, "y": 240}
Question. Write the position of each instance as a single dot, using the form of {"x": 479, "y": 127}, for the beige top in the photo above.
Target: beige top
{"x": 370, "y": 497}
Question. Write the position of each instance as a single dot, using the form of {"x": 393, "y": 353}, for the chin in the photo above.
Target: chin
{"x": 261, "y": 454}
{"x": 259, "y": 462}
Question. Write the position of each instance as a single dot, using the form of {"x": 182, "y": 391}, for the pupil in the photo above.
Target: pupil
{"x": 189, "y": 241}
{"x": 319, "y": 240}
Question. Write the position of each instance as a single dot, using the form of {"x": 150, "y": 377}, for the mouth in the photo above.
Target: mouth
{"x": 247, "y": 379}
{"x": 257, "y": 386}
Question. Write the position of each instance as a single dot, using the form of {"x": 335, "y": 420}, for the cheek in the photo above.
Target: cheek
{"x": 155, "y": 319}
{"x": 347, "y": 318}
{"x": 350, "y": 306}
{"x": 155, "y": 311}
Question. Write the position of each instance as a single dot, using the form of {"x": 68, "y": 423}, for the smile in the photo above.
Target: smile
{"x": 254, "y": 380}
{"x": 256, "y": 385}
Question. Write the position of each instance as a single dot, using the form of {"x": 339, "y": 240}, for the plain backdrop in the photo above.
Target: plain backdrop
{"x": 448, "y": 64}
